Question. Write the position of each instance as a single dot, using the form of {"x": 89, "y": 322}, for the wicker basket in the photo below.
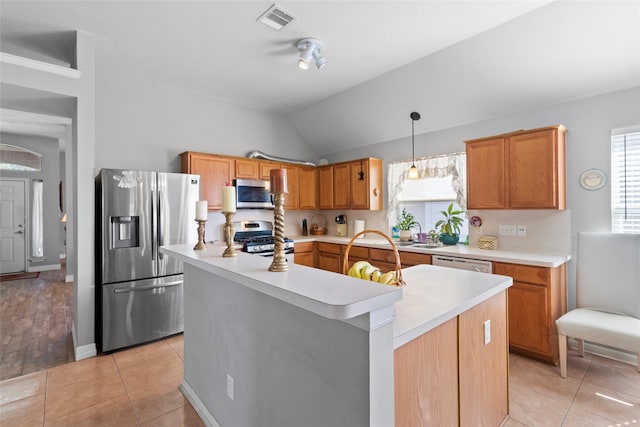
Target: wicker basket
{"x": 488, "y": 242}
{"x": 398, "y": 281}
{"x": 321, "y": 227}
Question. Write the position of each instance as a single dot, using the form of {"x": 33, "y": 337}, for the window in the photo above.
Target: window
{"x": 442, "y": 181}
{"x": 625, "y": 180}
{"x": 19, "y": 159}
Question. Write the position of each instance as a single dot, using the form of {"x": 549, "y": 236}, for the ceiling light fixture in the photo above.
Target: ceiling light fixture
{"x": 310, "y": 48}
{"x": 413, "y": 170}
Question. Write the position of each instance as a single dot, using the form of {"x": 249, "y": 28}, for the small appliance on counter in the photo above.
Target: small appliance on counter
{"x": 341, "y": 226}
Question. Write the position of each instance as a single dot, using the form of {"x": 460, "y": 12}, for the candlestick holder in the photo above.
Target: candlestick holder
{"x": 229, "y": 232}
{"x": 200, "y": 245}
{"x": 279, "y": 262}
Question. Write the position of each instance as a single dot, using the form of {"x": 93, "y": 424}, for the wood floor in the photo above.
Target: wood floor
{"x": 35, "y": 324}
{"x": 139, "y": 386}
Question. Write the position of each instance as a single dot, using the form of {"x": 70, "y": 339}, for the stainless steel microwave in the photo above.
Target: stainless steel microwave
{"x": 253, "y": 194}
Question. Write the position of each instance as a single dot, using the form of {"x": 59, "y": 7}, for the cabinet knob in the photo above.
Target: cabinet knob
{"x": 375, "y": 192}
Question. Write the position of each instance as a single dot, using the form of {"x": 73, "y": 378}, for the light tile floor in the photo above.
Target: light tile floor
{"x": 139, "y": 387}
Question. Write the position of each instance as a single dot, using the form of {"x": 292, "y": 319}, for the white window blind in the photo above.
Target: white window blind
{"x": 625, "y": 180}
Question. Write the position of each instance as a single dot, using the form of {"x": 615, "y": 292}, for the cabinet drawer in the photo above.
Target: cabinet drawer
{"x": 303, "y": 247}
{"x": 357, "y": 252}
{"x": 386, "y": 255}
{"x": 523, "y": 273}
{"x": 412, "y": 258}
{"x": 329, "y": 248}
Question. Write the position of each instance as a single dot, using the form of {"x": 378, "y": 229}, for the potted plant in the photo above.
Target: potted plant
{"x": 450, "y": 225}
{"x": 405, "y": 223}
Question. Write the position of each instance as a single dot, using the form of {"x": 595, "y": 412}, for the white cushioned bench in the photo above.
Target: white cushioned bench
{"x": 607, "y": 295}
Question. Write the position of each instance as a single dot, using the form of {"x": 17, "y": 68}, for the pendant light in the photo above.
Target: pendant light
{"x": 413, "y": 171}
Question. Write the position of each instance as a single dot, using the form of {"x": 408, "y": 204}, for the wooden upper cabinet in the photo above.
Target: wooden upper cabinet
{"x": 247, "y": 168}
{"x": 366, "y": 184}
{"x": 213, "y": 170}
{"x": 265, "y": 167}
{"x": 341, "y": 187}
{"x": 293, "y": 186}
{"x": 325, "y": 186}
{"x": 485, "y": 174}
{"x": 537, "y": 170}
{"x": 520, "y": 170}
{"x": 308, "y": 188}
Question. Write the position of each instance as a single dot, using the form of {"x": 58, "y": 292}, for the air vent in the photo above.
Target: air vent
{"x": 275, "y": 17}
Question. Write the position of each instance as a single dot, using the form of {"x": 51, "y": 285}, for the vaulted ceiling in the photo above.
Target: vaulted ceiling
{"x": 456, "y": 62}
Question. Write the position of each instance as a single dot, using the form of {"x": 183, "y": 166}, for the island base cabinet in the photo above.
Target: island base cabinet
{"x": 449, "y": 376}
{"x": 483, "y": 366}
{"x": 426, "y": 379}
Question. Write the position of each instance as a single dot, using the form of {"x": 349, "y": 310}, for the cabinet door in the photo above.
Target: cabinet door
{"x": 483, "y": 367}
{"x": 247, "y": 168}
{"x": 533, "y": 170}
{"x": 359, "y": 182}
{"x": 341, "y": 186}
{"x": 486, "y": 174}
{"x": 265, "y": 167}
{"x": 213, "y": 171}
{"x": 303, "y": 258}
{"x": 308, "y": 188}
{"x": 325, "y": 184}
{"x": 528, "y": 316}
{"x": 329, "y": 261}
{"x": 293, "y": 186}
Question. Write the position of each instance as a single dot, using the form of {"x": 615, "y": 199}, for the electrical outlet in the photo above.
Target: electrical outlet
{"x": 522, "y": 231}
{"x": 230, "y": 386}
{"x": 487, "y": 332}
{"x": 507, "y": 230}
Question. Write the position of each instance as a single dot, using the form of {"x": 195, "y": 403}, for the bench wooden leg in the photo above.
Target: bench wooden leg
{"x": 581, "y": 347}
{"x": 562, "y": 344}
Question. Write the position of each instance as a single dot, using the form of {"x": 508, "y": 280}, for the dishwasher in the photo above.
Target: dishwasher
{"x": 462, "y": 263}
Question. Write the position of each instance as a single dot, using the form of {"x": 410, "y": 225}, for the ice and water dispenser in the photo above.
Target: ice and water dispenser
{"x": 124, "y": 231}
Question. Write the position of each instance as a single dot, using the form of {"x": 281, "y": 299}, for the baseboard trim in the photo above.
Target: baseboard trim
{"x": 608, "y": 352}
{"x": 197, "y": 404}
{"x": 49, "y": 267}
{"x": 84, "y": 351}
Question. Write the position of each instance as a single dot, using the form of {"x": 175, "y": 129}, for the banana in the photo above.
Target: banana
{"x": 368, "y": 272}
{"x": 357, "y": 268}
{"x": 387, "y": 278}
{"x": 375, "y": 276}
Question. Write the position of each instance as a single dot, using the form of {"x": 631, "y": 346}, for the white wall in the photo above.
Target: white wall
{"x": 143, "y": 124}
{"x": 588, "y": 121}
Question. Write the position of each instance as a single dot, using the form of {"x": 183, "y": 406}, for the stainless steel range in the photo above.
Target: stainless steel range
{"x": 257, "y": 237}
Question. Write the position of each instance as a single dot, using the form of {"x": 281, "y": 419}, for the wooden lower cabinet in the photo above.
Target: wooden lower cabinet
{"x": 449, "y": 377}
{"x": 426, "y": 378}
{"x": 304, "y": 254}
{"x": 329, "y": 257}
{"x": 385, "y": 259}
{"x": 537, "y": 299}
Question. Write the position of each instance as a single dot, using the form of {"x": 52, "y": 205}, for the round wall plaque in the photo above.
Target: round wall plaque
{"x": 593, "y": 179}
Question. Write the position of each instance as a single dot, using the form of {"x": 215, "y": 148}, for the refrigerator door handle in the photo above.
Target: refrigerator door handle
{"x": 154, "y": 245}
{"x": 160, "y": 226}
{"x": 146, "y": 288}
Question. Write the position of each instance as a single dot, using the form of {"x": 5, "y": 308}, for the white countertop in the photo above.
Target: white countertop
{"x": 463, "y": 251}
{"x": 432, "y": 296}
{"x": 435, "y": 294}
{"x": 327, "y": 294}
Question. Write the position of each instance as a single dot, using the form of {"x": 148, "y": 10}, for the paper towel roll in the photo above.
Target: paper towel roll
{"x": 358, "y": 226}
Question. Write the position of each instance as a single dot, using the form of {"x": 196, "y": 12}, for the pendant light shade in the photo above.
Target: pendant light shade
{"x": 413, "y": 171}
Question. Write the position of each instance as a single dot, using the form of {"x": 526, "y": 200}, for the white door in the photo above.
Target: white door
{"x": 12, "y": 225}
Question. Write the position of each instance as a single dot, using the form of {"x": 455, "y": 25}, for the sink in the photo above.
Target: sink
{"x": 426, "y": 245}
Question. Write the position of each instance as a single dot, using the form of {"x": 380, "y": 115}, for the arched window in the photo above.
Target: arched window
{"x": 19, "y": 159}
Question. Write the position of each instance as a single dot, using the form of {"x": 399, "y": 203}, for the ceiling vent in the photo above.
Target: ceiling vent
{"x": 275, "y": 17}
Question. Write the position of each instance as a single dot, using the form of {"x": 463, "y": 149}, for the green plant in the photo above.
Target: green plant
{"x": 452, "y": 222}
{"x": 406, "y": 221}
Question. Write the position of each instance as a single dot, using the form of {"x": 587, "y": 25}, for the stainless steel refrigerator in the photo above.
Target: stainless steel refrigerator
{"x": 138, "y": 289}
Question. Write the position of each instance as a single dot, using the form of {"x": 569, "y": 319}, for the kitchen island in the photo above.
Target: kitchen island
{"x": 310, "y": 347}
